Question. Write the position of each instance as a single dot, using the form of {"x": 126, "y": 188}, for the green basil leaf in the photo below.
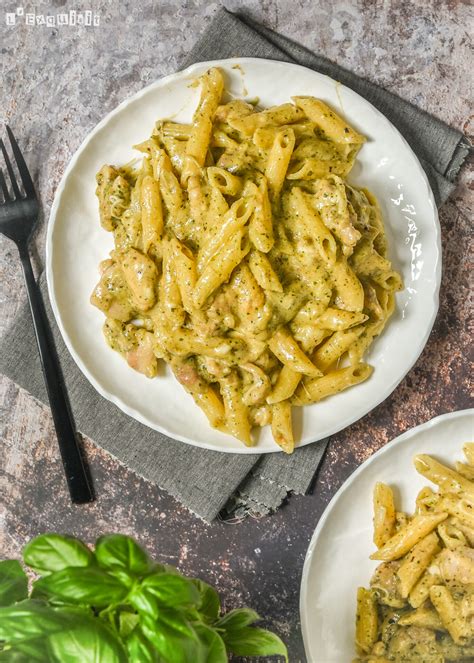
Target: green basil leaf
{"x": 87, "y": 642}
{"x": 174, "y": 638}
{"x": 118, "y": 550}
{"x": 28, "y": 620}
{"x": 237, "y": 619}
{"x": 53, "y": 552}
{"x": 127, "y": 623}
{"x": 140, "y": 650}
{"x": 13, "y": 582}
{"x": 172, "y": 590}
{"x": 215, "y": 648}
{"x": 29, "y": 651}
{"x": 251, "y": 641}
{"x": 144, "y": 602}
{"x": 81, "y": 585}
{"x": 16, "y": 655}
{"x": 123, "y": 576}
{"x": 177, "y": 620}
{"x": 210, "y": 605}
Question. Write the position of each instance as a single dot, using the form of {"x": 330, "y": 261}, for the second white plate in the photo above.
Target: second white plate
{"x": 337, "y": 561}
{"x": 76, "y": 244}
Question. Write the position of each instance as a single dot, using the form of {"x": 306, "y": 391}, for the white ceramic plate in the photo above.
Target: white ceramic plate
{"x": 76, "y": 244}
{"x": 337, "y": 561}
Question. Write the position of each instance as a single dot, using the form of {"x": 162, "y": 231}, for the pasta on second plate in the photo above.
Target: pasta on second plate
{"x": 245, "y": 260}
{"x": 420, "y": 604}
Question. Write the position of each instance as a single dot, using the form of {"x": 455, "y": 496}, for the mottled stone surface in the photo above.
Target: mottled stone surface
{"x": 57, "y": 83}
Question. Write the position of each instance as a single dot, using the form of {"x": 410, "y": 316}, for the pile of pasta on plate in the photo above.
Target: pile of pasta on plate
{"x": 420, "y": 604}
{"x": 245, "y": 260}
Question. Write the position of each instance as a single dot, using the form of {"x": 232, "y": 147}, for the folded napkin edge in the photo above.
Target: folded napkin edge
{"x": 463, "y": 149}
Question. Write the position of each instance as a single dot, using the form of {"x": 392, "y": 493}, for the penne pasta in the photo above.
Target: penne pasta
{"x": 421, "y": 596}
{"x": 384, "y": 514}
{"x": 326, "y": 119}
{"x": 447, "y": 479}
{"x": 262, "y": 269}
{"x": 236, "y": 413}
{"x": 277, "y": 116}
{"x": 287, "y": 350}
{"x": 245, "y": 260}
{"x": 261, "y": 223}
{"x": 232, "y": 222}
{"x": 288, "y": 380}
{"x": 152, "y": 215}
{"x": 366, "y": 621}
{"x": 313, "y": 391}
{"x": 407, "y": 537}
{"x": 416, "y": 562}
{"x": 281, "y": 426}
{"x": 278, "y": 160}
{"x": 312, "y": 224}
{"x": 220, "y": 267}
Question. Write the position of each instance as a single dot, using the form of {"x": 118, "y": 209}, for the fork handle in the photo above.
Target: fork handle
{"x": 80, "y": 487}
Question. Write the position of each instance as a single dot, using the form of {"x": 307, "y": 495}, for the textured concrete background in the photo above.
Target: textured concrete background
{"x": 57, "y": 83}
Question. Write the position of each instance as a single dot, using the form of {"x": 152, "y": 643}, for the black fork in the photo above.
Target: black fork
{"x": 18, "y": 218}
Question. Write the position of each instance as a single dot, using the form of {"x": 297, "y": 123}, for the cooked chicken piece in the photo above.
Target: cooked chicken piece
{"x": 457, "y": 567}
{"x": 134, "y": 343}
{"x": 142, "y": 357}
{"x": 141, "y": 275}
{"x": 235, "y": 108}
{"x": 260, "y": 415}
{"x": 259, "y": 384}
{"x": 414, "y": 644}
{"x": 113, "y": 192}
{"x": 332, "y": 205}
{"x": 387, "y": 584}
{"x": 112, "y": 295}
{"x": 186, "y": 373}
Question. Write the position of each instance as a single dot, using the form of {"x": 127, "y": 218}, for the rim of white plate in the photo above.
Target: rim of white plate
{"x": 132, "y": 412}
{"x": 400, "y": 439}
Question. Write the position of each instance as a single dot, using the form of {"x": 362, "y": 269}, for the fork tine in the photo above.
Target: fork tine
{"x": 15, "y": 188}
{"x": 22, "y": 167}
{"x": 3, "y": 187}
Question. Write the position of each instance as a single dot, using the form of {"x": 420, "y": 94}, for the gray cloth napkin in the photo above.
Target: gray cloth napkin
{"x": 205, "y": 481}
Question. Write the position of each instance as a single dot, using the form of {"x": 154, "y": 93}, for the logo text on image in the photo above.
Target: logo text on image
{"x": 73, "y": 17}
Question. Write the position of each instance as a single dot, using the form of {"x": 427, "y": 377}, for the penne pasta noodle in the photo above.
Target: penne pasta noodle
{"x": 232, "y": 222}
{"x": 262, "y": 269}
{"x": 313, "y": 226}
{"x": 201, "y": 129}
{"x": 186, "y": 273}
{"x": 416, "y": 562}
{"x": 261, "y": 223}
{"x": 407, "y": 537}
{"x": 384, "y": 514}
{"x": 220, "y": 267}
{"x": 288, "y": 380}
{"x": 450, "y": 615}
{"x": 366, "y": 621}
{"x": 152, "y": 214}
{"x": 281, "y": 426}
{"x": 326, "y": 119}
{"x": 313, "y": 391}
{"x": 446, "y": 478}
{"x": 236, "y": 414}
{"x": 221, "y": 179}
{"x": 278, "y": 160}
{"x": 277, "y": 116}
{"x": 287, "y": 350}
